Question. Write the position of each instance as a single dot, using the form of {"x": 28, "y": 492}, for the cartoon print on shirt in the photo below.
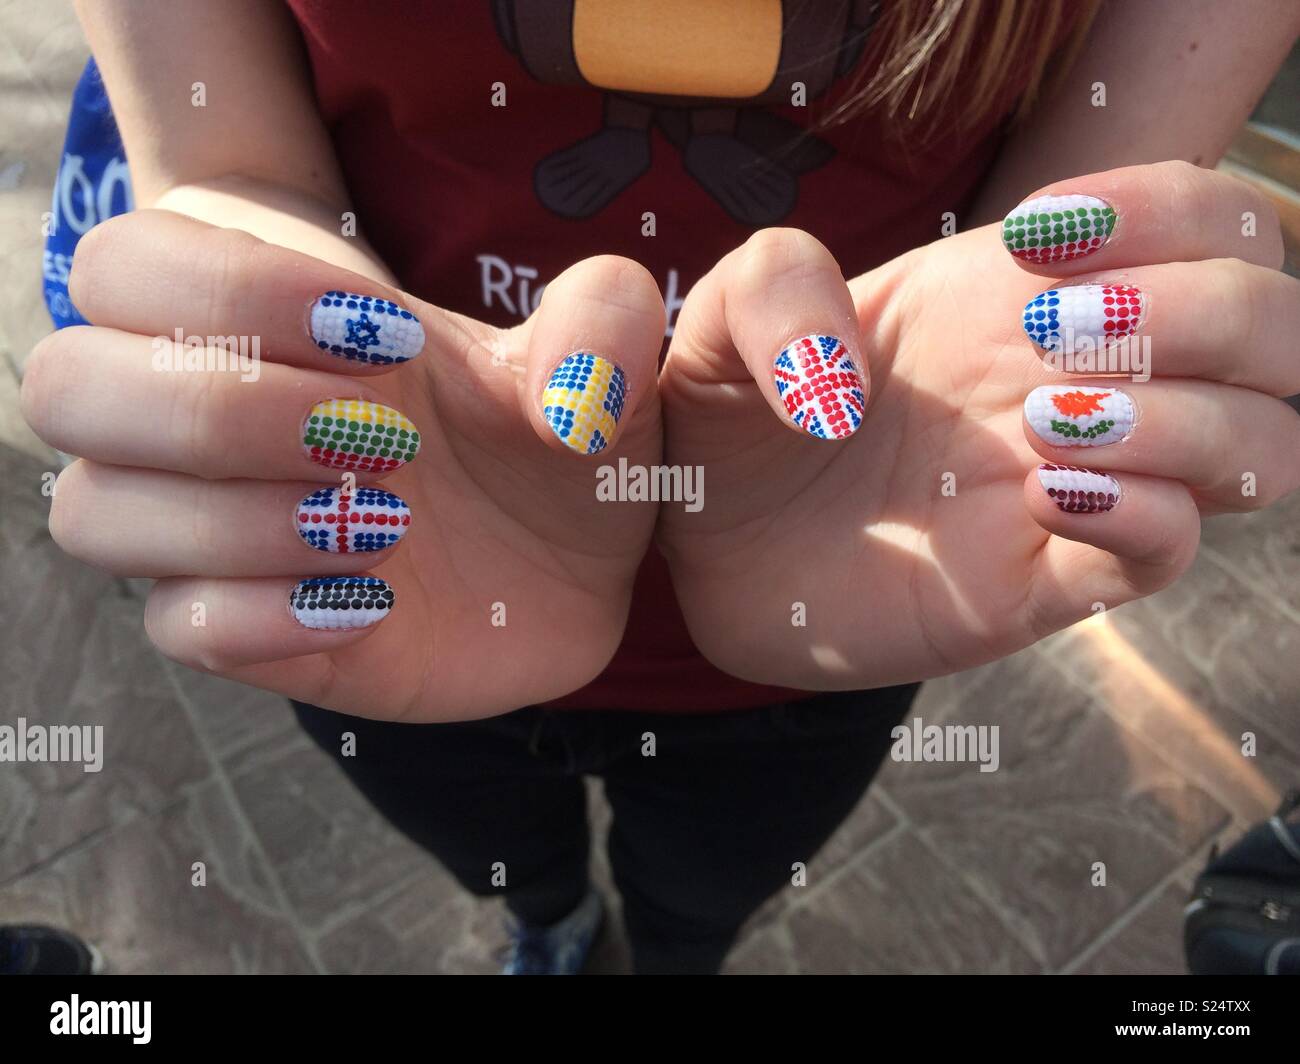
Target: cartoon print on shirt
{"x": 701, "y": 71}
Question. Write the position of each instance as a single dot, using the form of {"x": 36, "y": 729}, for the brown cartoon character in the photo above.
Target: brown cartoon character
{"x": 702, "y": 71}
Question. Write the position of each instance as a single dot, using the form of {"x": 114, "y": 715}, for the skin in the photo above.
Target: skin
{"x": 900, "y": 581}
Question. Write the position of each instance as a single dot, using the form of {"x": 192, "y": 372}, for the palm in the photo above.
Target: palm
{"x": 903, "y": 552}
{"x": 514, "y": 581}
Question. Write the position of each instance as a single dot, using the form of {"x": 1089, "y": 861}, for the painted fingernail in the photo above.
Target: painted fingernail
{"x": 820, "y": 387}
{"x": 352, "y": 522}
{"x": 340, "y": 602}
{"x": 360, "y": 435}
{"x": 583, "y": 401}
{"x": 1066, "y": 415}
{"x": 1055, "y": 319}
{"x": 365, "y": 329}
{"x": 1057, "y": 228}
{"x": 1079, "y": 491}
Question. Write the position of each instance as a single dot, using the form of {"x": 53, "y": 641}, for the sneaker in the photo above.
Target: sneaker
{"x": 35, "y": 950}
{"x": 560, "y": 949}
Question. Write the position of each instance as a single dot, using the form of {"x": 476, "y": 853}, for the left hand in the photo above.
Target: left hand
{"x": 926, "y": 541}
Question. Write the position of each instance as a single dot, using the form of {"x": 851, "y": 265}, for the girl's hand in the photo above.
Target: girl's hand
{"x": 510, "y": 583}
{"x": 951, "y": 527}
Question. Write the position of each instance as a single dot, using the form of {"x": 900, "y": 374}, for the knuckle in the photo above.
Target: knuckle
{"x": 44, "y": 381}
{"x": 229, "y": 260}
{"x": 93, "y": 249}
{"x": 66, "y": 508}
{"x": 198, "y": 412}
{"x": 783, "y": 256}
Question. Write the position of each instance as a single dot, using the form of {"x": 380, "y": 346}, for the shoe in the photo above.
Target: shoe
{"x": 560, "y": 949}
{"x": 35, "y": 950}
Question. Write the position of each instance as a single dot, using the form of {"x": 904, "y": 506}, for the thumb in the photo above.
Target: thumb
{"x": 776, "y": 314}
{"x": 593, "y": 354}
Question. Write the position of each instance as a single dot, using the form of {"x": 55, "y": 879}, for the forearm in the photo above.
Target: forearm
{"x": 285, "y": 216}
{"x": 1179, "y": 78}
{"x": 219, "y": 121}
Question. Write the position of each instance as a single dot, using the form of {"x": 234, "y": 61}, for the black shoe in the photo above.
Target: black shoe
{"x": 34, "y": 950}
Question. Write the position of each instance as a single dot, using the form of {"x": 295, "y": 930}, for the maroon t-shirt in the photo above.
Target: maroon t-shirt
{"x": 482, "y": 163}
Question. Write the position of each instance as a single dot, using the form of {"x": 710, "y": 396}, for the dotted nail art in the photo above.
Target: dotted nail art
{"x": 1079, "y": 491}
{"x": 1072, "y": 416}
{"x": 341, "y": 602}
{"x": 360, "y": 435}
{"x": 343, "y": 522}
{"x": 365, "y": 329}
{"x": 583, "y": 401}
{"x": 820, "y": 387}
{"x": 1054, "y": 318}
{"x": 1057, "y": 228}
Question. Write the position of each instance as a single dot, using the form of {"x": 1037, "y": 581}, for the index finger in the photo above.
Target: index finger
{"x": 156, "y": 273}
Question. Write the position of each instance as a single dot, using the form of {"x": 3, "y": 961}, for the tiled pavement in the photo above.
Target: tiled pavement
{"x": 1121, "y": 744}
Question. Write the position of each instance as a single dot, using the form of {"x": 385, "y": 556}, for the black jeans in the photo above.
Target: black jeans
{"x": 704, "y": 831}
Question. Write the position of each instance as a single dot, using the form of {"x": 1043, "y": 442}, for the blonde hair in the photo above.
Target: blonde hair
{"x": 932, "y": 51}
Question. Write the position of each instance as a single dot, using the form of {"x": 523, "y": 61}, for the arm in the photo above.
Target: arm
{"x": 257, "y": 156}
{"x": 1181, "y": 76}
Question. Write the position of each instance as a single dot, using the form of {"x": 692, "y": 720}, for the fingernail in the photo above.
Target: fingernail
{"x": 1079, "y": 491}
{"x": 360, "y": 435}
{"x": 352, "y": 522}
{"x": 340, "y": 602}
{"x": 583, "y": 401}
{"x": 820, "y": 387}
{"x": 1057, "y": 228}
{"x": 1054, "y": 319}
{"x": 365, "y": 329}
{"x": 1066, "y": 415}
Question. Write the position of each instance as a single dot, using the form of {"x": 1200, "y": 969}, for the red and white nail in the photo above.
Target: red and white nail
{"x": 1055, "y": 319}
{"x": 1079, "y": 491}
{"x": 820, "y": 387}
{"x": 1071, "y": 415}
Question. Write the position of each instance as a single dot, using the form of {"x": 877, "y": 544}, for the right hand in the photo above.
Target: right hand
{"x": 514, "y": 582}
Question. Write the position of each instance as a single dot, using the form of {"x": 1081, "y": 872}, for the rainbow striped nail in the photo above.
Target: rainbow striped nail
{"x": 1057, "y": 228}
{"x": 359, "y": 435}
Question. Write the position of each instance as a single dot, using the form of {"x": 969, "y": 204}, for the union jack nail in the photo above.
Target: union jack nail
{"x": 351, "y": 522}
{"x": 820, "y": 387}
{"x": 365, "y": 329}
{"x": 1067, "y": 415}
{"x": 1057, "y": 318}
{"x": 1079, "y": 491}
{"x": 1057, "y": 228}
